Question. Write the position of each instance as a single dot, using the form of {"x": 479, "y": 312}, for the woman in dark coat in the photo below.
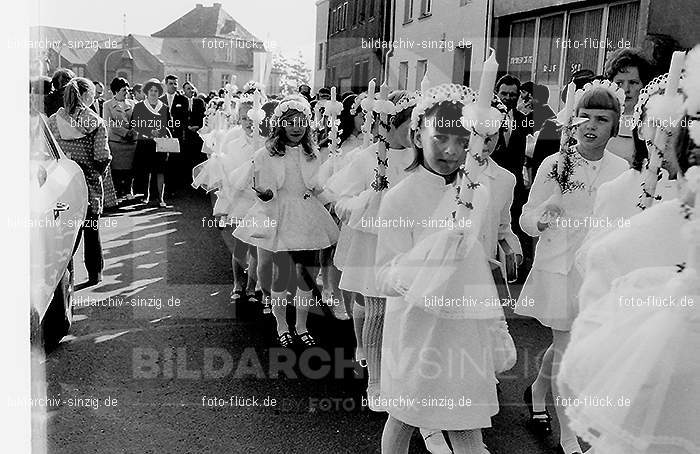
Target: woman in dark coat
{"x": 150, "y": 120}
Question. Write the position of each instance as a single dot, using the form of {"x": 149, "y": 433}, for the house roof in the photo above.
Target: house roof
{"x": 170, "y": 51}
{"x": 79, "y": 46}
{"x": 206, "y": 21}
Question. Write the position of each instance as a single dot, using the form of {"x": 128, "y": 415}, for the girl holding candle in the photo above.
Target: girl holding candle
{"x": 645, "y": 353}
{"x": 349, "y": 139}
{"x": 338, "y": 184}
{"x": 560, "y": 200}
{"x": 355, "y": 183}
{"x": 420, "y": 340}
{"x": 233, "y": 202}
{"x": 289, "y": 219}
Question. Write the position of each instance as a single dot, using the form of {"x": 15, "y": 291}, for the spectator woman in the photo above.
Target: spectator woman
{"x": 83, "y": 137}
{"x": 631, "y": 71}
{"x": 117, "y": 114}
{"x": 150, "y": 120}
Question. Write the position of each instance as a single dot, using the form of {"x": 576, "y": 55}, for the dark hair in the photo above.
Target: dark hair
{"x": 117, "y": 84}
{"x": 222, "y": 92}
{"x": 626, "y": 57}
{"x": 269, "y": 108}
{"x": 303, "y": 85}
{"x": 446, "y": 115}
{"x": 190, "y": 84}
{"x": 323, "y": 91}
{"x": 61, "y": 77}
{"x": 152, "y": 83}
{"x": 277, "y": 141}
{"x": 540, "y": 93}
{"x": 74, "y": 90}
{"x": 137, "y": 87}
{"x": 40, "y": 85}
{"x": 527, "y": 86}
{"x": 347, "y": 120}
{"x": 508, "y": 79}
{"x": 97, "y": 82}
{"x": 170, "y": 77}
{"x": 600, "y": 98}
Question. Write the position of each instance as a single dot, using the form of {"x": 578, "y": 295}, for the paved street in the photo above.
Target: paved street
{"x": 184, "y": 371}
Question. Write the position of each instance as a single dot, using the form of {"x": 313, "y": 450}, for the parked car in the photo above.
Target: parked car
{"x": 58, "y": 205}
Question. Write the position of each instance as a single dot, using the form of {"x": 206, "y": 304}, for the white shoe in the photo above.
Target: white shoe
{"x": 435, "y": 441}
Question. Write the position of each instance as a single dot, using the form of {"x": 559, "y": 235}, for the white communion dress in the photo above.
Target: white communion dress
{"x": 634, "y": 371}
{"x": 294, "y": 219}
{"x": 437, "y": 360}
{"x": 550, "y": 290}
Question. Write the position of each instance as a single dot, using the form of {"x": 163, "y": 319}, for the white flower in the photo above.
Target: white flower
{"x": 257, "y": 115}
{"x": 694, "y": 131}
{"x": 367, "y": 104}
{"x": 692, "y": 176}
{"x": 333, "y": 107}
{"x": 665, "y": 110}
{"x": 384, "y": 106}
{"x": 484, "y": 122}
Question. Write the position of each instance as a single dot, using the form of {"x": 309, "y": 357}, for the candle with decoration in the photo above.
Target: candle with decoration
{"x": 662, "y": 113}
{"x": 383, "y": 119}
{"x": 227, "y": 99}
{"x": 256, "y": 114}
{"x": 368, "y": 106}
{"x": 565, "y": 139}
{"x": 481, "y": 120}
{"x": 332, "y": 117}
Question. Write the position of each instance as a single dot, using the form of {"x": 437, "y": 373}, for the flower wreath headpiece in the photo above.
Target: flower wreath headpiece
{"x": 608, "y": 85}
{"x": 441, "y": 93}
{"x": 253, "y": 85}
{"x": 294, "y": 102}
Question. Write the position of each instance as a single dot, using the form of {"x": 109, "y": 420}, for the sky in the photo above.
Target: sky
{"x": 291, "y": 24}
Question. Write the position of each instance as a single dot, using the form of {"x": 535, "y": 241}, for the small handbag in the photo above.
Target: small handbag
{"x": 167, "y": 144}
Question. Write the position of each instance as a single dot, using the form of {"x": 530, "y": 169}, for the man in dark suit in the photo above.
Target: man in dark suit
{"x": 179, "y": 112}
{"x": 195, "y": 121}
{"x": 510, "y": 150}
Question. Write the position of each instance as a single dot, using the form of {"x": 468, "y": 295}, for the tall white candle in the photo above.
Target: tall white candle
{"x": 674, "y": 72}
{"x": 368, "y": 114}
{"x": 488, "y": 81}
{"x": 476, "y": 141}
{"x": 425, "y": 83}
{"x": 381, "y": 150}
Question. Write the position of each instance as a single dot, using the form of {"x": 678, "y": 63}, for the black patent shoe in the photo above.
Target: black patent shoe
{"x": 539, "y": 422}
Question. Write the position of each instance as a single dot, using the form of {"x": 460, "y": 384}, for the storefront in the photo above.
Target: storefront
{"x": 548, "y": 45}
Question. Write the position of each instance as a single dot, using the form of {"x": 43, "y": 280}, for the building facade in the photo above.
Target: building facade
{"x": 321, "y": 53}
{"x": 352, "y": 24}
{"x": 206, "y": 46}
{"x": 547, "y": 40}
{"x": 446, "y": 39}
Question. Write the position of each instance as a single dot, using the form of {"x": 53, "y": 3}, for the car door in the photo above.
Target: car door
{"x": 58, "y": 203}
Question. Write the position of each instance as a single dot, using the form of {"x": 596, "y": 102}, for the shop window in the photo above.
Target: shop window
{"x": 521, "y": 49}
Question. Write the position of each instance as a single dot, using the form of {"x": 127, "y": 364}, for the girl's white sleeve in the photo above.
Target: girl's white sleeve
{"x": 392, "y": 244}
{"x": 542, "y": 189}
